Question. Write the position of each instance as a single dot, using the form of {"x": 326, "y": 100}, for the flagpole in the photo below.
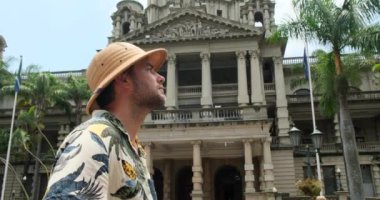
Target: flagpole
{"x": 17, "y": 86}
{"x": 313, "y": 116}
{"x": 9, "y": 148}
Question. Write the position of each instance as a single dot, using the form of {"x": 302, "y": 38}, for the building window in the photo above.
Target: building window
{"x": 126, "y": 28}
{"x": 219, "y": 13}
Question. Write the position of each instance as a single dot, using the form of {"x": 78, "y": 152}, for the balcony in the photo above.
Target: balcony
{"x": 353, "y": 96}
{"x": 202, "y": 115}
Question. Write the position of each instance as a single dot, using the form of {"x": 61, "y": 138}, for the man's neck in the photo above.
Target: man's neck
{"x": 131, "y": 119}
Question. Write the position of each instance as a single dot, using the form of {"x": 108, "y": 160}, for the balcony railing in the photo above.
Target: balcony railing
{"x": 352, "y": 96}
{"x": 197, "y": 115}
{"x": 335, "y": 148}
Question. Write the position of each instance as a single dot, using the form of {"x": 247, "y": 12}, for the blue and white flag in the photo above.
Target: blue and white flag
{"x": 18, "y": 77}
{"x": 305, "y": 64}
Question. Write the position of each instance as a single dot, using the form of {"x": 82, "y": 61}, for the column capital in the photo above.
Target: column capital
{"x": 147, "y": 144}
{"x": 266, "y": 140}
{"x": 247, "y": 141}
{"x": 254, "y": 53}
{"x": 171, "y": 57}
{"x": 195, "y": 142}
{"x": 277, "y": 60}
{"x": 240, "y": 54}
{"x": 205, "y": 56}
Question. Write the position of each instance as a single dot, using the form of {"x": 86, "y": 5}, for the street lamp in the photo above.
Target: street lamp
{"x": 316, "y": 137}
{"x": 339, "y": 182}
{"x": 295, "y": 138}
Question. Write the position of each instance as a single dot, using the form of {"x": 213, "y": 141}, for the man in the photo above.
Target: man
{"x": 102, "y": 158}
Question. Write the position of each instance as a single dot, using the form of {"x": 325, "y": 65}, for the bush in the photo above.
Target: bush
{"x": 309, "y": 187}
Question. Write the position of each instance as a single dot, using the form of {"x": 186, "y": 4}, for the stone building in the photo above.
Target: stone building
{"x": 223, "y": 132}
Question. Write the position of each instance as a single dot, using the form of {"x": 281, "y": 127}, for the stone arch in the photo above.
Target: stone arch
{"x": 259, "y": 19}
{"x": 184, "y": 183}
{"x": 302, "y": 91}
{"x": 228, "y": 183}
{"x": 126, "y": 27}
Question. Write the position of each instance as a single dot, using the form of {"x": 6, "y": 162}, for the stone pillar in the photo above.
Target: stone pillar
{"x": 281, "y": 102}
{"x": 167, "y": 178}
{"x": 248, "y": 167}
{"x": 171, "y": 97}
{"x": 207, "y": 179}
{"x": 149, "y": 157}
{"x": 267, "y": 21}
{"x": 243, "y": 98}
{"x": 337, "y": 129}
{"x": 257, "y": 94}
{"x": 251, "y": 17}
{"x": 267, "y": 165}
{"x": 197, "y": 193}
{"x": 376, "y": 178}
{"x": 117, "y": 27}
{"x": 133, "y": 24}
{"x": 206, "y": 100}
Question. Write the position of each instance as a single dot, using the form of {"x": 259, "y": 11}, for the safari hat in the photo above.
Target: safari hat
{"x": 113, "y": 60}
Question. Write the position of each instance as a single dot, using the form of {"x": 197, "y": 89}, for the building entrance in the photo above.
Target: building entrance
{"x": 228, "y": 184}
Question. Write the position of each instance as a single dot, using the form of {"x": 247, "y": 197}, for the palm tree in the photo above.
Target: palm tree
{"x": 339, "y": 27}
{"x": 75, "y": 90}
{"x": 5, "y": 75}
{"x": 39, "y": 90}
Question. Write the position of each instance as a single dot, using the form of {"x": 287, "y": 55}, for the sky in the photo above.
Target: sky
{"x": 61, "y": 35}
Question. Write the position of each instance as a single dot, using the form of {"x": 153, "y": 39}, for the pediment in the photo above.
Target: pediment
{"x": 190, "y": 25}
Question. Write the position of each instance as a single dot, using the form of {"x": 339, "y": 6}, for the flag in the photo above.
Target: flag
{"x": 18, "y": 77}
{"x": 305, "y": 64}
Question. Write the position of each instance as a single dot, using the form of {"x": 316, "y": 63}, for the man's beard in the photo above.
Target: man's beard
{"x": 146, "y": 97}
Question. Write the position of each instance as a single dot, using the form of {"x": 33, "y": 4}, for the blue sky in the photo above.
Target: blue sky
{"x": 61, "y": 35}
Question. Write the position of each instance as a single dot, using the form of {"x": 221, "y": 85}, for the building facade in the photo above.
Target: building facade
{"x": 223, "y": 132}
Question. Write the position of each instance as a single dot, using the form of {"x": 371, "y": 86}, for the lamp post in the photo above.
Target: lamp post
{"x": 295, "y": 138}
{"x": 339, "y": 182}
{"x": 316, "y": 137}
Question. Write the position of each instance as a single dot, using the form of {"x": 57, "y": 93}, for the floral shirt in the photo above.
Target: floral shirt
{"x": 97, "y": 161}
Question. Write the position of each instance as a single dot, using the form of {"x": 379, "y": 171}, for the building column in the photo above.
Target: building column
{"x": 206, "y": 100}
{"x": 267, "y": 165}
{"x": 117, "y": 27}
{"x": 197, "y": 193}
{"x": 207, "y": 179}
{"x": 376, "y": 177}
{"x": 171, "y": 97}
{"x": 337, "y": 129}
{"x": 149, "y": 157}
{"x": 281, "y": 102}
{"x": 167, "y": 178}
{"x": 266, "y": 20}
{"x": 248, "y": 167}
{"x": 251, "y": 17}
{"x": 257, "y": 94}
{"x": 243, "y": 98}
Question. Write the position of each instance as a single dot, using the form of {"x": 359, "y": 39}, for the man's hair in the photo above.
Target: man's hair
{"x": 106, "y": 96}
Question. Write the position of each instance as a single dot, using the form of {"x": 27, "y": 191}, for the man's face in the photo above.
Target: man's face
{"x": 148, "y": 88}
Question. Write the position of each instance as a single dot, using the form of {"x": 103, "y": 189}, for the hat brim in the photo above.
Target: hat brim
{"x": 156, "y": 58}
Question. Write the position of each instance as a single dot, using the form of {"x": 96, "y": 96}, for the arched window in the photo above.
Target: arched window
{"x": 126, "y": 27}
{"x": 259, "y": 20}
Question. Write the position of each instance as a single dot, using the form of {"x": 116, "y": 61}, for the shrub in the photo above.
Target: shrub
{"x": 309, "y": 187}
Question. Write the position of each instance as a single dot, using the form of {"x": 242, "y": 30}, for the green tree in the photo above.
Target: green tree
{"x": 339, "y": 27}
{"x": 74, "y": 92}
{"x": 39, "y": 89}
{"x": 5, "y": 76}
